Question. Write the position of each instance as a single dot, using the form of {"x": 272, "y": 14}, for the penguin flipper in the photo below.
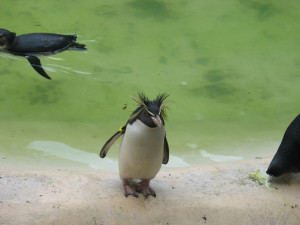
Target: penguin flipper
{"x": 166, "y": 151}
{"x": 111, "y": 141}
{"x": 36, "y": 64}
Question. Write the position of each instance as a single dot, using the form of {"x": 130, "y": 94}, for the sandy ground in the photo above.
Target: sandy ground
{"x": 219, "y": 194}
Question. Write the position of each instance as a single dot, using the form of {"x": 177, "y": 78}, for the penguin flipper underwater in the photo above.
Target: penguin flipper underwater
{"x": 287, "y": 157}
{"x": 36, "y": 64}
{"x": 112, "y": 140}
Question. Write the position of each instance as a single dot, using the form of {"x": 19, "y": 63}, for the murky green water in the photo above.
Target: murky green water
{"x": 232, "y": 69}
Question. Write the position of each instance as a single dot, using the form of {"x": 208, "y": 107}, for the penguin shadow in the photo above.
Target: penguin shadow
{"x": 286, "y": 179}
{"x": 287, "y": 187}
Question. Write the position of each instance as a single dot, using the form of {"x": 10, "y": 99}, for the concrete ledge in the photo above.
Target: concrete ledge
{"x": 219, "y": 194}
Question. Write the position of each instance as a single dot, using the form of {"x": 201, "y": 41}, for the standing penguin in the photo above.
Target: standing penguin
{"x": 36, "y": 44}
{"x": 144, "y": 146}
{"x": 287, "y": 157}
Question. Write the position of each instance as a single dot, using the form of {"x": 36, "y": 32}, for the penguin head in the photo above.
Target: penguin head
{"x": 6, "y": 38}
{"x": 151, "y": 113}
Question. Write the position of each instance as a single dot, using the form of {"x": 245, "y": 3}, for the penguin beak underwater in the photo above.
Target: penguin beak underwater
{"x": 144, "y": 147}
{"x": 37, "y": 44}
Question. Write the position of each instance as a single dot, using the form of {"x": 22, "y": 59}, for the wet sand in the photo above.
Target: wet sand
{"x": 215, "y": 194}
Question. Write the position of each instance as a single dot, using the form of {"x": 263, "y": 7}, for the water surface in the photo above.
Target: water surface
{"x": 232, "y": 69}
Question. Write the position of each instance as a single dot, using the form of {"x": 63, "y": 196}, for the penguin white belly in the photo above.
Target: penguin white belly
{"x": 141, "y": 151}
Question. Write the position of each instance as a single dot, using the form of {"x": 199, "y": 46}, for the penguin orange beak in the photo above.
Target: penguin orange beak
{"x": 157, "y": 121}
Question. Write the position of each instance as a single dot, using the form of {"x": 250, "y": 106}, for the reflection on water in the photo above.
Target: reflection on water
{"x": 219, "y": 158}
{"x": 232, "y": 69}
{"x": 66, "y": 69}
{"x": 5, "y": 55}
{"x": 64, "y": 151}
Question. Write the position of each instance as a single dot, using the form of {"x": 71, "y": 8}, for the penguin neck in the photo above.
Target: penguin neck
{"x": 147, "y": 121}
{"x": 140, "y": 131}
{"x": 144, "y": 126}
{"x": 10, "y": 38}
{"x": 134, "y": 120}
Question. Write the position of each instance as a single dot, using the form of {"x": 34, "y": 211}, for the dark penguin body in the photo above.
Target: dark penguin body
{"x": 37, "y": 44}
{"x": 287, "y": 157}
{"x": 144, "y": 147}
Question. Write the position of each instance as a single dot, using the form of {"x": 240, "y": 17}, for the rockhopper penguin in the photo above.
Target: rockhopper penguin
{"x": 37, "y": 44}
{"x": 287, "y": 157}
{"x": 144, "y": 146}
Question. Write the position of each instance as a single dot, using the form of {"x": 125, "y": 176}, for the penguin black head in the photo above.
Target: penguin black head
{"x": 6, "y": 38}
{"x": 151, "y": 113}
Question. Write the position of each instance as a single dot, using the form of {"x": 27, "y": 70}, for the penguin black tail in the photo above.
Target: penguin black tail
{"x": 277, "y": 166}
{"x": 280, "y": 165}
{"x": 78, "y": 47}
{"x": 274, "y": 171}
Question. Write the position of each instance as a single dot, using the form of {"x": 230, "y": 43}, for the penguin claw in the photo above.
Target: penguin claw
{"x": 145, "y": 189}
{"x": 128, "y": 190}
{"x": 147, "y": 193}
{"x": 151, "y": 192}
{"x": 135, "y": 195}
{"x": 132, "y": 194}
{"x": 142, "y": 187}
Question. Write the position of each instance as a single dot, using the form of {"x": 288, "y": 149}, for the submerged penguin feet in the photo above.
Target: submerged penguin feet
{"x": 145, "y": 188}
{"x": 128, "y": 188}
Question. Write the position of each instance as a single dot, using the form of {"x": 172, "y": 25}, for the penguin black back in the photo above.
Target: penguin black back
{"x": 41, "y": 44}
{"x": 287, "y": 157}
{"x": 35, "y": 44}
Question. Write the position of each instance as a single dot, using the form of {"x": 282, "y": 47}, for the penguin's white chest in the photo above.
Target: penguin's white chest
{"x": 141, "y": 151}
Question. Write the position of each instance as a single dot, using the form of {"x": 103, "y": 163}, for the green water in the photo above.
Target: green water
{"x": 232, "y": 69}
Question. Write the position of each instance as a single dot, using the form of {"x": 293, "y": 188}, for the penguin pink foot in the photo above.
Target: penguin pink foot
{"x": 128, "y": 189}
{"x": 145, "y": 188}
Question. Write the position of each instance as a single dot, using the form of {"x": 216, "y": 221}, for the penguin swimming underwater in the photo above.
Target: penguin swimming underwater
{"x": 144, "y": 147}
{"x": 36, "y": 44}
{"x": 287, "y": 157}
